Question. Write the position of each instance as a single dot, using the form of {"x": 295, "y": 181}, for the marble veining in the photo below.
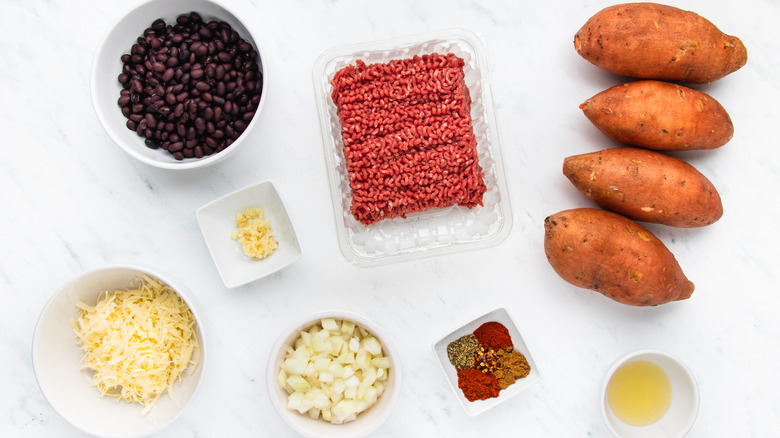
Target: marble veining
{"x": 73, "y": 201}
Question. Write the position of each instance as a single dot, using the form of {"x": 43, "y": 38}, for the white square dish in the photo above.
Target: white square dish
{"x": 435, "y": 231}
{"x": 477, "y": 407}
{"x": 217, "y": 221}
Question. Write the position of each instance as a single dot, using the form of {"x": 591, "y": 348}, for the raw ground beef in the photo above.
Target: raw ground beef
{"x": 408, "y": 140}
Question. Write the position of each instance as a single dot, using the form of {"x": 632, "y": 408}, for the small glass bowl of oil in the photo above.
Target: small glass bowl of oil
{"x": 649, "y": 393}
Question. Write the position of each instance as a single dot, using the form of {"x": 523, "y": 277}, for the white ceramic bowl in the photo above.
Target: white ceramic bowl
{"x": 107, "y": 66}
{"x": 368, "y": 420}
{"x": 57, "y": 361}
{"x": 685, "y": 399}
{"x": 217, "y": 221}
{"x": 478, "y": 406}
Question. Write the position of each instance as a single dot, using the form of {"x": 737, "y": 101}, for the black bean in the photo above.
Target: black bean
{"x": 168, "y": 75}
{"x": 151, "y": 121}
{"x": 224, "y": 57}
{"x": 201, "y": 50}
{"x": 123, "y": 100}
{"x": 200, "y": 125}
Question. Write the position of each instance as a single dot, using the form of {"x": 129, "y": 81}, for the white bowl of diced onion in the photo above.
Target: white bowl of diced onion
{"x": 334, "y": 374}
{"x": 79, "y": 310}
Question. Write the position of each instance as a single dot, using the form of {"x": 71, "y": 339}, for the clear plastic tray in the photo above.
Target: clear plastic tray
{"x": 436, "y": 231}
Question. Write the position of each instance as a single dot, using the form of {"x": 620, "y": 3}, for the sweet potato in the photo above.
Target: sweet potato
{"x": 645, "y": 186}
{"x": 653, "y": 41}
{"x": 611, "y": 254}
{"x": 660, "y": 115}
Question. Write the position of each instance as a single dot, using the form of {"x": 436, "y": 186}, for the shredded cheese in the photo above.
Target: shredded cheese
{"x": 138, "y": 342}
{"x": 254, "y": 233}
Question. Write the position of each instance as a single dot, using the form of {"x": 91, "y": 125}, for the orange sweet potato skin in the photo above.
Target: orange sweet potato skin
{"x": 645, "y": 186}
{"x": 611, "y": 254}
{"x": 653, "y": 41}
{"x": 660, "y": 115}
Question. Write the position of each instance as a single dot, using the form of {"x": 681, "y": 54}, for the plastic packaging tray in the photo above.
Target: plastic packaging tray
{"x": 436, "y": 231}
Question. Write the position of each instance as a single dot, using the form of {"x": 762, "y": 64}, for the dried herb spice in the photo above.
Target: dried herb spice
{"x": 461, "y": 351}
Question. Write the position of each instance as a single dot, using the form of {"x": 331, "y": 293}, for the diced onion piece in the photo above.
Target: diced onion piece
{"x": 326, "y": 377}
{"x": 381, "y": 362}
{"x": 298, "y": 383}
{"x": 329, "y": 324}
{"x": 295, "y": 366}
{"x": 372, "y": 345}
{"x": 347, "y": 327}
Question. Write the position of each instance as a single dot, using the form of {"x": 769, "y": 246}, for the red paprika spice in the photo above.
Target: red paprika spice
{"x": 493, "y": 335}
{"x": 477, "y": 385}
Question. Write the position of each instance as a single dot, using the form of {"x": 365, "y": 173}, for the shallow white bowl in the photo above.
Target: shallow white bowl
{"x": 479, "y": 406}
{"x": 57, "y": 360}
{"x": 106, "y": 66}
{"x": 685, "y": 399}
{"x": 217, "y": 221}
{"x": 368, "y": 420}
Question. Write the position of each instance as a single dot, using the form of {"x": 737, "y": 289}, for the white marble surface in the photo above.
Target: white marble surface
{"x": 73, "y": 201}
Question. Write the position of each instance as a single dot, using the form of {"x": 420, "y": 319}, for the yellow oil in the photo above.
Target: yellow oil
{"x": 639, "y": 393}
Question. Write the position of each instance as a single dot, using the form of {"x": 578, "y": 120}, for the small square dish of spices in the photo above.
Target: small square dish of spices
{"x": 249, "y": 234}
{"x": 486, "y": 361}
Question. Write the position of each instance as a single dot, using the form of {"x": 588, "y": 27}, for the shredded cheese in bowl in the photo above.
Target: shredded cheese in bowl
{"x": 255, "y": 233}
{"x": 138, "y": 342}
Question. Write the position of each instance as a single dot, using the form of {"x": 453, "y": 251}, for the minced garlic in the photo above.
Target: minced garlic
{"x": 254, "y": 233}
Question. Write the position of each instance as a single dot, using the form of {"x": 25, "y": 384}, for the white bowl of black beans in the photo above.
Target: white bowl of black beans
{"x": 179, "y": 84}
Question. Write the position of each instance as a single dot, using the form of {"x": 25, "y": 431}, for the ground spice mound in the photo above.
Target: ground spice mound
{"x": 408, "y": 139}
{"x": 477, "y": 385}
{"x": 512, "y": 366}
{"x": 493, "y": 335}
